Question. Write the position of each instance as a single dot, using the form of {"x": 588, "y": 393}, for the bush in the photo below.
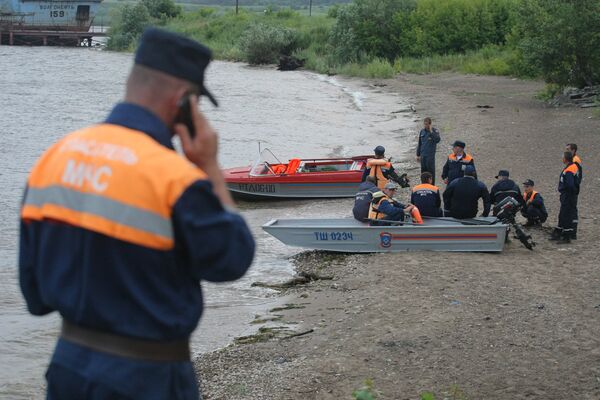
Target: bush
{"x": 162, "y": 9}
{"x": 264, "y": 44}
{"x": 129, "y": 25}
{"x": 560, "y": 39}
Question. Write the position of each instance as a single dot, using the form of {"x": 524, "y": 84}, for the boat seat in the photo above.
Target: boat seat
{"x": 278, "y": 168}
{"x": 292, "y": 167}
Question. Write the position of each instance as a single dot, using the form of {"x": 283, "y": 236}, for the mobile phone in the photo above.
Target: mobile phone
{"x": 184, "y": 115}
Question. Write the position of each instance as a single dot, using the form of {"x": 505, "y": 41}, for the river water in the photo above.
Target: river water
{"x": 47, "y": 92}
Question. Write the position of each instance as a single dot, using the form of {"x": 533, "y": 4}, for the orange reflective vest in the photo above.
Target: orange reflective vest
{"x": 426, "y": 186}
{"x": 376, "y": 165}
{"x": 110, "y": 180}
{"x": 529, "y": 199}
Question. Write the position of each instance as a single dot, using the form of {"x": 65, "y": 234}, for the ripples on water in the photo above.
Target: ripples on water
{"x": 47, "y": 92}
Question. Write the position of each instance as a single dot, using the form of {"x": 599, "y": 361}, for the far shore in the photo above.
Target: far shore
{"x": 516, "y": 325}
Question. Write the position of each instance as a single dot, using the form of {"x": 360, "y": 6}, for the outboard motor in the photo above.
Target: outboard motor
{"x": 505, "y": 212}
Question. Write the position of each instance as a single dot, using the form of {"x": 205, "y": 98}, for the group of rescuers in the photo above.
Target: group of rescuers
{"x": 375, "y": 203}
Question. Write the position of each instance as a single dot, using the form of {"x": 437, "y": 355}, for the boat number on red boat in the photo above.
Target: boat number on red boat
{"x": 257, "y": 188}
{"x": 333, "y": 236}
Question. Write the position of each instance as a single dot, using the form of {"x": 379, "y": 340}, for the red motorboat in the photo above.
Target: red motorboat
{"x": 270, "y": 178}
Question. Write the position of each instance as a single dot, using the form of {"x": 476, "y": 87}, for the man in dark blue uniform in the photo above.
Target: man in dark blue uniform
{"x": 462, "y": 196}
{"x": 118, "y": 231}
{"x": 362, "y": 200}
{"x": 568, "y": 187}
{"x": 457, "y": 162}
{"x": 533, "y": 208}
{"x": 429, "y": 137}
{"x": 572, "y": 148}
{"x": 426, "y": 197}
{"x": 505, "y": 187}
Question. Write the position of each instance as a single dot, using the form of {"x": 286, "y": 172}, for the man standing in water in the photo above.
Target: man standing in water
{"x": 429, "y": 137}
{"x": 118, "y": 231}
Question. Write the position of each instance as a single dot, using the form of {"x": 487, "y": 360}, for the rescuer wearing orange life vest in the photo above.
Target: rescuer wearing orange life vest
{"x": 533, "y": 208}
{"x": 118, "y": 231}
{"x": 382, "y": 170}
{"x": 568, "y": 187}
{"x": 426, "y": 197}
{"x": 456, "y": 163}
{"x": 572, "y": 147}
{"x": 384, "y": 207}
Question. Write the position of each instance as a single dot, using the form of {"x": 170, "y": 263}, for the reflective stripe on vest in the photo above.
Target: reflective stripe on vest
{"x": 376, "y": 164}
{"x": 110, "y": 180}
{"x": 528, "y": 201}
{"x": 426, "y": 186}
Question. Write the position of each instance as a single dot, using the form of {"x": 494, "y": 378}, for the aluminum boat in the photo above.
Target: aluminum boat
{"x": 483, "y": 234}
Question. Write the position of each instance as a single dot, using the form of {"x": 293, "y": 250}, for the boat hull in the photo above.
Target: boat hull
{"x": 298, "y": 190}
{"x": 351, "y": 236}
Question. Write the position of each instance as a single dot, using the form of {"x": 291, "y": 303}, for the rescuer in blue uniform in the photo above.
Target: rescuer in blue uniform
{"x": 505, "y": 187}
{"x": 456, "y": 163}
{"x": 362, "y": 200}
{"x": 118, "y": 231}
{"x": 572, "y": 147}
{"x": 533, "y": 208}
{"x": 461, "y": 197}
{"x": 568, "y": 187}
{"x": 429, "y": 137}
{"x": 426, "y": 197}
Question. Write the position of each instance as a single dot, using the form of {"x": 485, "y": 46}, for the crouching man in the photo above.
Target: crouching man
{"x": 533, "y": 209}
{"x": 384, "y": 209}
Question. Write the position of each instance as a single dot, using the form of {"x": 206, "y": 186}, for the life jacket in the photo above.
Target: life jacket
{"x": 110, "y": 180}
{"x": 376, "y": 165}
{"x": 416, "y": 216}
{"x": 374, "y": 212}
{"x": 531, "y": 198}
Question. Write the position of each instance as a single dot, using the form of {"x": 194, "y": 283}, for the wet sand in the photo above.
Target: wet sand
{"x": 515, "y": 325}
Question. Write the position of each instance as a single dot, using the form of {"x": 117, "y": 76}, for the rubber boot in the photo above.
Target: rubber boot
{"x": 556, "y": 234}
{"x": 565, "y": 238}
{"x": 574, "y": 233}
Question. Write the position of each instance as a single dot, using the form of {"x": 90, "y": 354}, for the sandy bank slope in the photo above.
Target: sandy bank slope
{"x": 518, "y": 325}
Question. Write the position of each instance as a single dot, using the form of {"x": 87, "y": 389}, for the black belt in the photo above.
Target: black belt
{"x": 123, "y": 346}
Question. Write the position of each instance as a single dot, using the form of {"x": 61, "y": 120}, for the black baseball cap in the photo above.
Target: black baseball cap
{"x": 528, "y": 182}
{"x": 459, "y": 144}
{"x": 503, "y": 172}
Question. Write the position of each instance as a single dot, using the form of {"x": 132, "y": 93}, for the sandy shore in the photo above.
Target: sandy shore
{"x": 516, "y": 325}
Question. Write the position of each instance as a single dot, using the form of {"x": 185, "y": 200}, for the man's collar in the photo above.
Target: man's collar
{"x": 141, "y": 119}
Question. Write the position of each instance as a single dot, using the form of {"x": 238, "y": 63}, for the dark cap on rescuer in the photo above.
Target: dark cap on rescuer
{"x": 528, "y": 182}
{"x": 459, "y": 144}
{"x": 469, "y": 170}
{"x": 503, "y": 172}
{"x": 379, "y": 150}
{"x": 175, "y": 55}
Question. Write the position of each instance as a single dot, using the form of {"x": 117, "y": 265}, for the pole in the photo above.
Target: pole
{"x": 237, "y": 3}
{"x": 310, "y": 8}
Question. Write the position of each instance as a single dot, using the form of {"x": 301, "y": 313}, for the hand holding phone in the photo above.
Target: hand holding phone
{"x": 184, "y": 115}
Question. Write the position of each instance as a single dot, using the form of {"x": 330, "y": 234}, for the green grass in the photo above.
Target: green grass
{"x": 491, "y": 60}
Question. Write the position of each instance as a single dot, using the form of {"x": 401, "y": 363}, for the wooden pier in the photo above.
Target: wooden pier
{"x": 11, "y": 35}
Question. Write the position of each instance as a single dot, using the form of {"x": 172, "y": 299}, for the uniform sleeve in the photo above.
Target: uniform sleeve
{"x": 445, "y": 170}
{"x": 391, "y": 211}
{"x": 438, "y": 199}
{"x": 569, "y": 182}
{"x": 472, "y": 163}
{"x": 215, "y": 243}
{"x": 448, "y": 195}
{"x": 412, "y": 197}
{"x": 27, "y": 270}
{"x": 435, "y": 135}
{"x": 519, "y": 195}
{"x": 487, "y": 203}
{"x": 419, "y": 145}
{"x": 493, "y": 193}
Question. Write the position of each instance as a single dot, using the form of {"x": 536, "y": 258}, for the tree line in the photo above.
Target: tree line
{"x": 557, "y": 40}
